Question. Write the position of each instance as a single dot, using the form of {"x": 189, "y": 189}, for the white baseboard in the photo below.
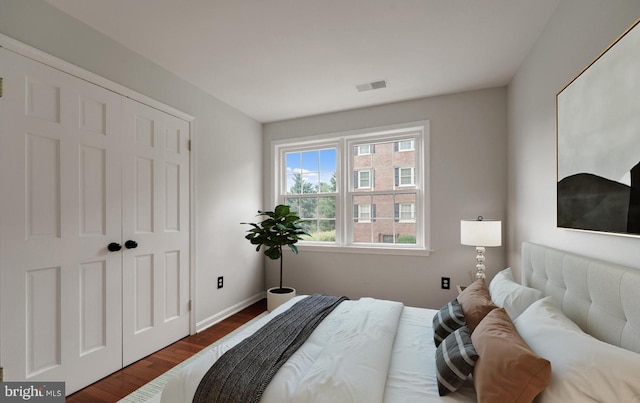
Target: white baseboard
{"x": 212, "y": 320}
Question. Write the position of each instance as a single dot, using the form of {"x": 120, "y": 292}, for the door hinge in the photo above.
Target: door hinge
{"x": 1, "y": 89}
{"x": 189, "y": 305}
{"x": 1, "y": 374}
{"x": 188, "y": 144}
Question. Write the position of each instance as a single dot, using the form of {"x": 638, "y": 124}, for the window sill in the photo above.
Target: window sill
{"x": 366, "y": 250}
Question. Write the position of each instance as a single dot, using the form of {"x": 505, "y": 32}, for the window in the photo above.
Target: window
{"x": 404, "y": 145}
{"x": 386, "y": 238}
{"x": 406, "y": 212}
{"x": 363, "y": 179}
{"x": 364, "y": 213}
{"x": 405, "y": 176}
{"x": 310, "y": 188}
{"x": 365, "y": 149}
{"x": 356, "y": 190}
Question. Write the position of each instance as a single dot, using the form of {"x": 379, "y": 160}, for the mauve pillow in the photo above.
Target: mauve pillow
{"x": 507, "y": 370}
{"x": 476, "y": 303}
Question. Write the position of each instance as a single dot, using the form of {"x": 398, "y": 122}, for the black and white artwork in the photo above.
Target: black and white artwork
{"x": 598, "y": 129}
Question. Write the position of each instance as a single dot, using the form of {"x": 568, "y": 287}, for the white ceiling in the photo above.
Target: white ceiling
{"x": 281, "y": 59}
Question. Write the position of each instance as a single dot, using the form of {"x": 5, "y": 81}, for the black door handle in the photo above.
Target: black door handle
{"x": 131, "y": 244}
{"x": 114, "y": 247}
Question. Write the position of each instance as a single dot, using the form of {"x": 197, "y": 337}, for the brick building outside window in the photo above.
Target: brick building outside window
{"x": 381, "y": 214}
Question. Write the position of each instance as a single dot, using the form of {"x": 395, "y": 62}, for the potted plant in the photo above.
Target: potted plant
{"x": 279, "y": 228}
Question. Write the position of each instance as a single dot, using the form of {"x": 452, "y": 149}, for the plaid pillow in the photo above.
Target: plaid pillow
{"x": 448, "y": 319}
{"x": 455, "y": 359}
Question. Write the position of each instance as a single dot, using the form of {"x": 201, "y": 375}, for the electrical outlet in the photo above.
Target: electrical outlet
{"x": 220, "y": 282}
{"x": 445, "y": 283}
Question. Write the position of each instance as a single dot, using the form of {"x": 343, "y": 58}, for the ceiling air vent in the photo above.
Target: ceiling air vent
{"x": 375, "y": 85}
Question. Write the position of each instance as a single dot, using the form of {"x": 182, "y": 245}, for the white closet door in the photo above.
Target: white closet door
{"x": 155, "y": 217}
{"x": 61, "y": 289}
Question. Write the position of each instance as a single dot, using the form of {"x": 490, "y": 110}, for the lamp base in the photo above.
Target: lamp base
{"x": 480, "y": 263}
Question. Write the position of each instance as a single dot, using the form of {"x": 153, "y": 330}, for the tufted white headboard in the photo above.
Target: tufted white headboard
{"x": 602, "y": 298}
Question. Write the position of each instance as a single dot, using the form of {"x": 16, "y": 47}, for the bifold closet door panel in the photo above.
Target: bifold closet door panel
{"x": 156, "y": 223}
{"x": 61, "y": 288}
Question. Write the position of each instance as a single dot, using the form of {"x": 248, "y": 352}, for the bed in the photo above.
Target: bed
{"x": 569, "y": 332}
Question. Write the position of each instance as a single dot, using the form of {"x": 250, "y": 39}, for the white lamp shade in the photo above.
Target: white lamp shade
{"x": 481, "y": 233}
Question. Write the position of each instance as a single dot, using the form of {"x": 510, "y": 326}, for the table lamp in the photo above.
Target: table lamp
{"x": 480, "y": 233}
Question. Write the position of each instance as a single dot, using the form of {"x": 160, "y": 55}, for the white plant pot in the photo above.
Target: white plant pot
{"x": 274, "y": 299}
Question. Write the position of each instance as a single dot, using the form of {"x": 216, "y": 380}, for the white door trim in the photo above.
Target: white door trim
{"x": 64, "y": 66}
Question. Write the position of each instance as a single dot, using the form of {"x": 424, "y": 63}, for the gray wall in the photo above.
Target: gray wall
{"x": 470, "y": 150}
{"x": 468, "y": 178}
{"x": 576, "y": 34}
{"x": 227, "y": 185}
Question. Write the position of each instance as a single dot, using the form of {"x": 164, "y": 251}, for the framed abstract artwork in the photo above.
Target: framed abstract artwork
{"x": 598, "y": 142}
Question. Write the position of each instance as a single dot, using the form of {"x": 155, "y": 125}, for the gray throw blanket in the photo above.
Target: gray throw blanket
{"x": 243, "y": 373}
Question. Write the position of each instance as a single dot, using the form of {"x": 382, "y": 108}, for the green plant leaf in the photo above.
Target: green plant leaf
{"x": 273, "y": 252}
{"x": 278, "y": 228}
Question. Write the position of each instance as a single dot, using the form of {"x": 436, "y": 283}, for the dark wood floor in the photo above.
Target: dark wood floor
{"x": 119, "y": 384}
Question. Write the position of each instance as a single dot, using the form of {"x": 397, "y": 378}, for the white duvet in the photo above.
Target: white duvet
{"x": 367, "y": 350}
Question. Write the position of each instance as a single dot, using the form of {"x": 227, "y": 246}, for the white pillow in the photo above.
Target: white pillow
{"x": 511, "y": 296}
{"x": 583, "y": 367}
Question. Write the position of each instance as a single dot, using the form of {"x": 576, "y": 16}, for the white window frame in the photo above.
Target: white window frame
{"x": 411, "y": 147}
{"x": 361, "y": 146}
{"x": 344, "y": 143}
{"x": 413, "y": 176}
{"x": 361, "y": 216}
{"x": 360, "y": 172}
{"x": 412, "y": 212}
